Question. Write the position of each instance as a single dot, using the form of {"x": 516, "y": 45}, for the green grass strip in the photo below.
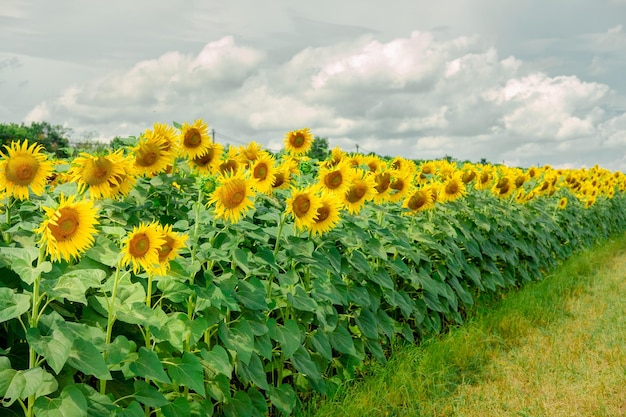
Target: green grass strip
{"x": 554, "y": 347}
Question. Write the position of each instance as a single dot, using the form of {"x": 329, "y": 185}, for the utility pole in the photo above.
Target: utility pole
{"x": 212, "y": 135}
{"x": 357, "y": 148}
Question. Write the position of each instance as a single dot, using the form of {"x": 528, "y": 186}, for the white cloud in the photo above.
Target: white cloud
{"x": 416, "y": 96}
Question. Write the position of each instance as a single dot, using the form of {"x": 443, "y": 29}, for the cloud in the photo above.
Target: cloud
{"x": 416, "y": 96}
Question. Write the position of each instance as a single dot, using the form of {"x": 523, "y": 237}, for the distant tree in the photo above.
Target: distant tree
{"x": 319, "y": 149}
{"x": 52, "y": 138}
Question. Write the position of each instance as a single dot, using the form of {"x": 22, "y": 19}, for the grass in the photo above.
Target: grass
{"x": 556, "y": 347}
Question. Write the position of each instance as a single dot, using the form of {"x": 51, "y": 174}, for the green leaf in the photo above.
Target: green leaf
{"x": 217, "y": 359}
{"x": 149, "y": 366}
{"x": 289, "y": 336}
{"x": 341, "y": 340}
{"x": 71, "y": 403}
{"x": 105, "y": 251}
{"x": 20, "y": 260}
{"x": 241, "y": 259}
{"x": 253, "y": 372}
{"x": 12, "y": 304}
{"x": 85, "y": 357}
{"x": 283, "y": 398}
{"x": 321, "y": 344}
{"x": 148, "y": 395}
{"x": 23, "y": 384}
{"x": 301, "y": 360}
{"x": 301, "y": 300}
{"x": 72, "y": 285}
{"x": 187, "y": 372}
{"x": 239, "y": 405}
{"x": 239, "y": 339}
{"x": 55, "y": 346}
{"x": 98, "y": 405}
{"x": 179, "y": 408}
{"x": 251, "y": 294}
{"x": 367, "y": 323}
{"x": 219, "y": 388}
{"x": 382, "y": 278}
{"x": 133, "y": 410}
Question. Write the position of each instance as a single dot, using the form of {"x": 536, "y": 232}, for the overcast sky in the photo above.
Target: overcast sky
{"x": 524, "y": 82}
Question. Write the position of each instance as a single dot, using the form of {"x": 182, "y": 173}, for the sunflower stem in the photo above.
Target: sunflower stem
{"x": 6, "y": 236}
{"x": 110, "y": 320}
{"x": 34, "y": 322}
{"x": 270, "y": 279}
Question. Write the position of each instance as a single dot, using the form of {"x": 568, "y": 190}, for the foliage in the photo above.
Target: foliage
{"x": 255, "y": 315}
{"x": 53, "y": 138}
{"x": 319, "y": 149}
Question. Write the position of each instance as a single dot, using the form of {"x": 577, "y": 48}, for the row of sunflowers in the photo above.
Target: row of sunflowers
{"x": 181, "y": 277}
{"x": 344, "y": 182}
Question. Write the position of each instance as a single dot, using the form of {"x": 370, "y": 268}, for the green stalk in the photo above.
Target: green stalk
{"x": 33, "y": 322}
{"x": 112, "y": 317}
{"x": 191, "y": 305}
{"x": 281, "y": 224}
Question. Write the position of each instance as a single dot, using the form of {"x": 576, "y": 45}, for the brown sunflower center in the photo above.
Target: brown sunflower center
{"x": 139, "y": 245}
{"x": 148, "y": 155}
{"x": 260, "y": 171}
{"x": 97, "y": 171}
{"x": 397, "y": 185}
{"x": 279, "y": 179}
{"x": 297, "y": 140}
{"x": 333, "y": 180}
{"x": 193, "y": 138}
{"x": 229, "y": 166}
{"x": 166, "y": 249}
{"x": 356, "y": 193}
{"x": 234, "y": 194}
{"x": 484, "y": 177}
{"x": 21, "y": 170}
{"x": 452, "y": 188}
{"x": 322, "y": 213}
{"x": 205, "y": 159}
{"x": 301, "y": 205}
{"x": 383, "y": 181}
{"x": 468, "y": 176}
{"x": 66, "y": 224}
{"x": 417, "y": 200}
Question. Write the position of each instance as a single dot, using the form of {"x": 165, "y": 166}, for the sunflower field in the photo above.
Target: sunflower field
{"x": 177, "y": 277}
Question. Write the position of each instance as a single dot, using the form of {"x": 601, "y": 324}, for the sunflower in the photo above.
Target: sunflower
{"x": 142, "y": 247}
{"x": 101, "y": 175}
{"x": 24, "y": 167}
{"x": 327, "y": 215}
{"x": 336, "y": 156}
{"x": 210, "y": 161}
{"x": 452, "y": 188}
{"x": 503, "y": 187}
{"x": 151, "y": 155}
{"x": 229, "y": 162}
{"x": 303, "y": 205}
{"x": 173, "y": 243}
{"x": 562, "y": 203}
{"x": 361, "y": 189}
{"x": 282, "y": 176}
{"x": 194, "y": 139}
{"x": 400, "y": 185}
{"x": 383, "y": 186}
{"x": 298, "y": 142}
{"x": 419, "y": 200}
{"x": 68, "y": 229}
{"x": 263, "y": 172}
{"x": 335, "y": 179}
{"x": 250, "y": 153}
{"x": 374, "y": 163}
{"x": 483, "y": 179}
{"x": 233, "y": 197}
{"x": 168, "y": 134}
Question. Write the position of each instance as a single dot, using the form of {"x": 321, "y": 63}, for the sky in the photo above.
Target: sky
{"x": 520, "y": 82}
